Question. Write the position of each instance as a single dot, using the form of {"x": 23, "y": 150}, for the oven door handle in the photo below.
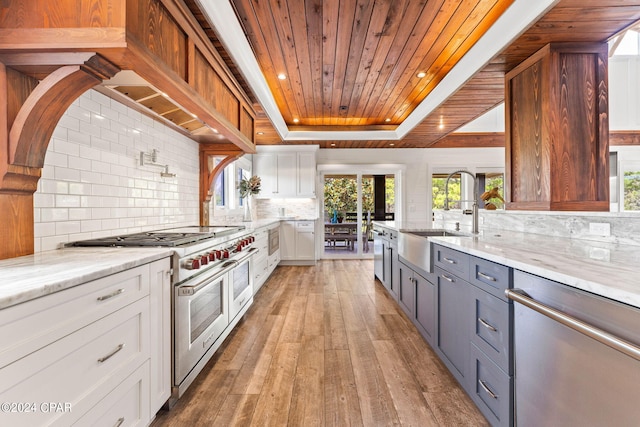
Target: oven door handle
{"x": 249, "y": 253}
{"x": 192, "y": 290}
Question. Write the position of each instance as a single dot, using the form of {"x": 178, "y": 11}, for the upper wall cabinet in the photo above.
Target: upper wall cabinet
{"x": 286, "y": 171}
{"x": 557, "y": 130}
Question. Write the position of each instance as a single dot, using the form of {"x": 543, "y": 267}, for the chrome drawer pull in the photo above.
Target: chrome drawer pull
{"x": 450, "y": 261}
{"x": 119, "y": 422}
{"x": 489, "y": 392}
{"x": 110, "y": 355}
{"x": 447, "y": 278}
{"x": 111, "y": 295}
{"x": 486, "y": 325}
{"x": 486, "y": 276}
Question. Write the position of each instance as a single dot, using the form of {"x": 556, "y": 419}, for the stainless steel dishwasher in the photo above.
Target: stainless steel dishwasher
{"x": 577, "y": 356}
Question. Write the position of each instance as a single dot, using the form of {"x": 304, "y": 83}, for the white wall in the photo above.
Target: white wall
{"x": 420, "y": 164}
{"x": 92, "y": 184}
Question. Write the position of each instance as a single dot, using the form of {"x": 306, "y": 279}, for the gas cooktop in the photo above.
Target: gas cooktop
{"x": 169, "y": 237}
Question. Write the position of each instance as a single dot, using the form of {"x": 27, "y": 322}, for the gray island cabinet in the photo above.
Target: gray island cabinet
{"x": 461, "y": 311}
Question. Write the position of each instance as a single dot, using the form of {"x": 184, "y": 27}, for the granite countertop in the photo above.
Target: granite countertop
{"x": 32, "y": 276}
{"x": 607, "y": 269}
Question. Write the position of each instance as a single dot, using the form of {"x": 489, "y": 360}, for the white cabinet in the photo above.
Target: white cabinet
{"x": 82, "y": 348}
{"x": 297, "y": 242}
{"x": 160, "y": 333}
{"x": 286, "y": 173}
{"x": 287, "y": 240}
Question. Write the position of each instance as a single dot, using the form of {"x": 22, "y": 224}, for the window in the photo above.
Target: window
{"x": 631, "y": 187}
{"x": 438, "y": 182}
{"x": 226, "y": 195}
{"x": 219, "y": 193}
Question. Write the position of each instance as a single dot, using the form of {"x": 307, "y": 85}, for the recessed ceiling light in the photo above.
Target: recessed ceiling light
{"x": 333, "y": 144}
{"x": 260, "y": 133}
{"x": 421, "y": 74}
{"x": 387, "y": 119}
{"x": 282, "y": 76}
{"x": 392, "y": 144}
{"x": 296, "y": 120}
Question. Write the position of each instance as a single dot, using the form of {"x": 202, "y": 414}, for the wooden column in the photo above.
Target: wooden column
{"x": 557, "y": 130}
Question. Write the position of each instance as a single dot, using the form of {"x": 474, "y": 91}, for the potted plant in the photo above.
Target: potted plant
{"x": 248, "y": 187}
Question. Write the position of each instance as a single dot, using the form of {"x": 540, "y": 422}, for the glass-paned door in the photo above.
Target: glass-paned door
{"x": 349, "y": 204}
{"x": 340, "y": 215}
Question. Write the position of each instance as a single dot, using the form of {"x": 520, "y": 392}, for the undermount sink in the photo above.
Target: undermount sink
{"x": 416, "y": 249}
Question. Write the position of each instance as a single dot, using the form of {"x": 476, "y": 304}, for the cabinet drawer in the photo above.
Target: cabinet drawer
{"x": 490, "y": 276}
{"x": 81, "y": 368}
{"x": 491, "y": 332}
{"x": 452, "y": 261}
{"x": 26, "y": 327}
{"x": 492, "y": 389}
{"x": 305, "y": 225}
{"x": 125, "y": 406}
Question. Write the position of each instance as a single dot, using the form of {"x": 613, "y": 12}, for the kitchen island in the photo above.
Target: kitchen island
{"x": 606, "y": 269}
{"x": 488, "y": 303}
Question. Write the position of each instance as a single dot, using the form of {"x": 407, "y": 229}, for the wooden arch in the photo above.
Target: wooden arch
{"x": 230, "y": 154}
{"x": 31, "y": 105}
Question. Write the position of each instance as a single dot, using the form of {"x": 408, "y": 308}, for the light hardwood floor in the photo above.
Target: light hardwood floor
{"x": 324, "y": 346}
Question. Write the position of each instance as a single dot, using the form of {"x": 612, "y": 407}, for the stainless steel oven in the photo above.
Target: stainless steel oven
{"x": 201, "y": 315}
{"x": 213, "y": 288}
{"x": 274, "y": 240}
{"x": 241, "y": 283}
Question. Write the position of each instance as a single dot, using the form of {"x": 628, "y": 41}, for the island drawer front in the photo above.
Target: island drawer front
{"x": 491, "y": 277}
{"x": 34, "y": 324}
{"x": 491, "y": 332}
{"x": 453, "y": 261}
{"x": 491, "y": 389}
{"x": 125, "y": 405}
{"x": 81, "y": 368}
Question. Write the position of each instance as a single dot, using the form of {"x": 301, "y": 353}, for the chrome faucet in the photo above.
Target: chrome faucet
{"x": 474, "y": 208}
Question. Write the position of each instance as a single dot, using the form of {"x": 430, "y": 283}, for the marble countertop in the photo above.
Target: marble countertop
{"x": 32, "y": 276}
{"x": 607, "y": 269}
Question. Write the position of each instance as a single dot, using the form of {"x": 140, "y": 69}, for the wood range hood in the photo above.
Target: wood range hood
{"x": 52, "y": 52}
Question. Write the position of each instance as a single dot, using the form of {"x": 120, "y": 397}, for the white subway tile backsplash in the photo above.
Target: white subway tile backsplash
{"x": 87, "y": 102}
{"x": 56, "y": 159}
{"x": 79, "y": 214}
{"x": 90, "y": 129}
{"x": 67, "y": 227}
{"x": 92, "y": 185}
{"x": 65, "y": 174}
{"x": 70, "y": 123}
{"x": 54, "y": 214}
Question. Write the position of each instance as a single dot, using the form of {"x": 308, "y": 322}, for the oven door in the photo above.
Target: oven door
{"x": 241, "y": 280}
{"x": 201, "y": 315}
{"x": 274, "y": 240}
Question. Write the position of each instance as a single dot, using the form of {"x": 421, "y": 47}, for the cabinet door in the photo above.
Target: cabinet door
{"x": 453, "y": 329}
{"x": 406, "y": 290}
{"x": 286, "y": 175}
{"x": 160, "y": 337}
{"x": 426, "y": 308}
{"x": 305, "y": 240}
{"x": 287, "y": 240}
{"x": 306, "y": 175}
{"x": 265, "y": 165}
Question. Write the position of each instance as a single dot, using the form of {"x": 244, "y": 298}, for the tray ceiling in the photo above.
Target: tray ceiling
{"x": 352, "y": 66}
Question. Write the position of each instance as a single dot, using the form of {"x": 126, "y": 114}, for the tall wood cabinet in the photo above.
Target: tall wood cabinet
{"x": 557, "y": 131}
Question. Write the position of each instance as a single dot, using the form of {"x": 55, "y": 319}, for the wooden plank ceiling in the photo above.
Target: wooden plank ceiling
{"x": 355, "y": 63}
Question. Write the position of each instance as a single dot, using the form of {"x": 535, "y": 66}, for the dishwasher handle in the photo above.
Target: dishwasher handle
{"x": 610, "y": 340}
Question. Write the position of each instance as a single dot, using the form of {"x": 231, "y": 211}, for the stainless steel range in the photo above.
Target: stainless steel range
{"x": 212, "y": 289}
